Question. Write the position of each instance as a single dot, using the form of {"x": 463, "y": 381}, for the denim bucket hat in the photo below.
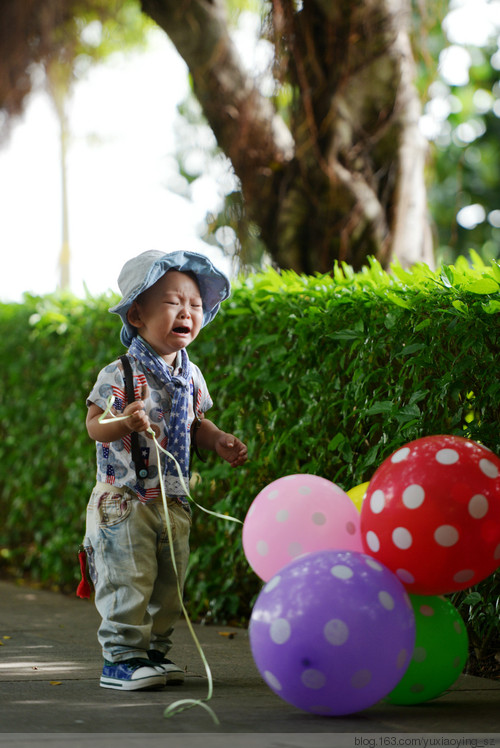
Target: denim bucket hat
{"x": 142, "y": 272}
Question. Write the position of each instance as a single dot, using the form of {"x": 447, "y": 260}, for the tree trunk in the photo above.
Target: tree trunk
{"x": 65, "y": 255}
{"x": 345, "y": 179}
{"x": 58, "y": 84}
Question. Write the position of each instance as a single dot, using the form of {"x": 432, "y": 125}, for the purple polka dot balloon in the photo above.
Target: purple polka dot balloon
{"x": 332, "y": 632}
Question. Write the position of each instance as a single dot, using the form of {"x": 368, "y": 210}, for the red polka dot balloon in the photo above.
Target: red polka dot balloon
{"x": 432, "y": 514}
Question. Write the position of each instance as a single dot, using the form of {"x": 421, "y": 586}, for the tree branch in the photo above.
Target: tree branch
{"x": 245, "y": 123}
{"x": 349, "y": 181}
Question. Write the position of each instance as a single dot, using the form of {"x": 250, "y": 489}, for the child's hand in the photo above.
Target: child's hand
{"x": 138, "y": 420}
{"x": 231, "y": 449}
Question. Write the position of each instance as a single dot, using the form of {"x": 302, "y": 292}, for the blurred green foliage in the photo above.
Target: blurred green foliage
{"x": 464, "y": 172}
{"x": 318, "y": 374}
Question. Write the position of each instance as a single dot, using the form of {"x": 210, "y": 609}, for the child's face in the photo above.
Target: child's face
{"x": 169, "y": 315}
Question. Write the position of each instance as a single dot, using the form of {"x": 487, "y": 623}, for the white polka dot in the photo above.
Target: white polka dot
{"x": 341, "y": 572}
{"x": 405, "y": 576}
{"x": 361, "y": 678}
{"x": 447, "y": 456}
{"x": 304, "y": 490}
{"x": 426, "y": 610}
{"x": 419, "y": 654}
{"x": 312, "y": 678}
{"x": 446, "y": 536}
{"x": 402, "y": 539}
{"x": 282, "y": 515}
{"x": 478, "y": 506}
{"x": 496, "y": 554}
{"x": 336, "y": 632}
{"x": 402, "y": 657}
{"x": 377, "y": 501}
{"x": 400, "y": 455}
{"x": 374, "y": 564}
{"x": 294, "y": 549}
{"x": 465, "y": 575}
{"x": 280, "y": 631}
{"x": 372, "y": 541}
{"x": 272, "y": 680}
{"x": 272, "y": 584}
{"x": 262, "y": 548}
{"x": 386, "y": 600}
{"x": 318, "y": 518}
{"x": 273, "y": 494}
{"x": 488, "y": 468}
{"x": 413, "y": 496}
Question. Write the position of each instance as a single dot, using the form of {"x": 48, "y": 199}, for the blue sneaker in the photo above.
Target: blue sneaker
{"x": 175, "y": 674}
{"x": 131, "y": 675}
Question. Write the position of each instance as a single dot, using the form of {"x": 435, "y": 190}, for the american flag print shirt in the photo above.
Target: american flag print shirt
{"x": 114, "y": 459}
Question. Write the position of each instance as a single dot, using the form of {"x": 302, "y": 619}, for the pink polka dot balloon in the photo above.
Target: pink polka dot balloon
{"x": 432, "y": 514}
{"x": 294, "y": 515}
{"x": 333, "y": 632}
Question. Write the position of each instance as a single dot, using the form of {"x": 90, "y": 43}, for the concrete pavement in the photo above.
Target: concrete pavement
{"x": 50, "y": 665}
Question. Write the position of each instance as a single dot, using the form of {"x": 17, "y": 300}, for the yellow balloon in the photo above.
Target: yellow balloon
{"x": 357, "y": 494}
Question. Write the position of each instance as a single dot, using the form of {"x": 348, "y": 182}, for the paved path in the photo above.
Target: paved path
{"x": 50, "y": 665}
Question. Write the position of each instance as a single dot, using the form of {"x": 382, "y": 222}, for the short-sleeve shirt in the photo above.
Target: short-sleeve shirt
{"x": 114, "y": 459}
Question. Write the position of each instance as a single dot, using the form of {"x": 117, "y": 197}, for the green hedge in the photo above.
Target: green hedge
{"x": 320, "y": 374}
{"x": 329, "y": 375}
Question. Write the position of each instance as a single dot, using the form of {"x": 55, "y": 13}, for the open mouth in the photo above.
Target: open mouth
{"x": 181, "y": 330}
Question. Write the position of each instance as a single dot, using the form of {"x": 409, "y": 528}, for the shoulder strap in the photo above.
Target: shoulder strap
{"x": 129, "y": 378}
{"x": 196, "y": 423}
{"x": 140, "y": 468}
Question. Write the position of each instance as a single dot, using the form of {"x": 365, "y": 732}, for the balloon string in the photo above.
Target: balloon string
{"x": 182, "y": 704}
{"x": 103, "y": 419}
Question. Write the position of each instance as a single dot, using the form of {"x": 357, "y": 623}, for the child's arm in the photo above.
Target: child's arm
{"x": 111, "y": 432}
{"x": 227, "y": 446}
